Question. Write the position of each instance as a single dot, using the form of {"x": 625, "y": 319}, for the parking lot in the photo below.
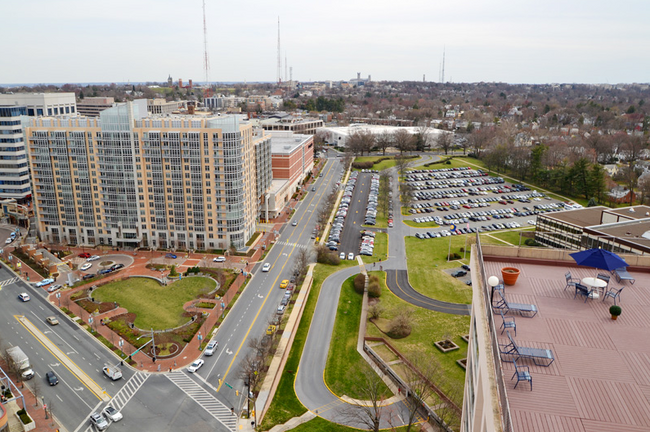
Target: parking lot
{"x": 463, "y": 200}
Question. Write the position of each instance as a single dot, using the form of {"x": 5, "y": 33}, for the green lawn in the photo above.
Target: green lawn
{"x": 510, "y": 236}
{"x": 285, "y": 404}
{"x": 381, "y": 249}
{"x": 344, "y": 372}
{"x": 319, "y": 424}
{"x": 156, "y": 306}
{"x": 414, "y": 224}
{"x": 427, "y": 258}
{"x": 427, "y": 327}
{"x": 377, "y": 166}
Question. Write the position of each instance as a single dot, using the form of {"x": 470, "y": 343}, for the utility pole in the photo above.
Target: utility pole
{"x": 279, "y": 56}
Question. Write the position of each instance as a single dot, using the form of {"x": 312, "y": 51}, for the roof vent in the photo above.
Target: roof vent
{"x": 646, "y": 235}
{"x": 631, "y": 210}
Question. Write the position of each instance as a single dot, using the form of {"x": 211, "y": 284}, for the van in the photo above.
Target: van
{"x": 211, "y": 348}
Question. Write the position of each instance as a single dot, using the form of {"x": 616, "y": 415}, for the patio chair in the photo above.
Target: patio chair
{"x": 623, "y": 274}
{"x": 517, "y": 352}
{"x": 614, "y": 293}
{"x": 521, "y": 308}
{"x": 583, "y": 291}
{"x": 507, "y": 322}
{"x": 570, "y": 282}
{"x": 605, "y": 278}
{"x": 523, "y": 374}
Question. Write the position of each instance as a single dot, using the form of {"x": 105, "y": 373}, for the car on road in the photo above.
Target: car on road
{"x": 53, "y": 288}
{"x": 171, "y": 255}
{"x": 284, "y": 283}
{"x": 93, "y": 258}
{"x": 195, "y": 366}
{"x": 51, "y": 378}
{"x": 98, "y": 421}
{"x": 117, "y": 266}
{"x": 51, "y": 320}
{"x": 24, "y": 297}
{"x": 88, "y": 276}
{"x": 86, "y": 266}
{"x": 84, "y": 255}
{"x": 313, "y": 189}
{"x": 112, "y": 414}
{"x": 211, "y": 348}
{"x": 294, "y": 223}
{"x": 351, "y": 255}
{"x": 44, "y": 282}
{"x": 459, "y": 273}
{"x": 266, "y": 267}
{"x": 219, "y": 259}
{"x": 9, "y": 240}
{"x": 280, "y": 310}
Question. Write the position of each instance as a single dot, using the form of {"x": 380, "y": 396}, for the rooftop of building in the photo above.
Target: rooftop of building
{"x": 600, "y": 379}
{"x": 286, "y": 142}
{"x": 591, "y": 216}
{"x": 378, "y": 129}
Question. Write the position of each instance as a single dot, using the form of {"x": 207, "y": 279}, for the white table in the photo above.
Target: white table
{"x": 596, "y": 283}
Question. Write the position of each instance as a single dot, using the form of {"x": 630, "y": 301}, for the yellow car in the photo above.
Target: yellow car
{"x": 270, "y": 330}
{"x": 284, "y": 283}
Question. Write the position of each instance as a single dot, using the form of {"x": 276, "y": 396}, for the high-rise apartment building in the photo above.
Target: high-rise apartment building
{"x": 132, "y": 180}
{"x": 14, "y": 169}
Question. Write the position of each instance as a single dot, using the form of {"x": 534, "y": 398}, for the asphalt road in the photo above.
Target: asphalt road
{"x": 398, "y": 282}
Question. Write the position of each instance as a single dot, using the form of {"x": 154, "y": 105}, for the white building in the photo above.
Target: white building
{"x": 338, "y": 136}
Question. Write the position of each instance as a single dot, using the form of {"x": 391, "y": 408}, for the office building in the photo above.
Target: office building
{"x": 92, "y": 106}
{"x": 161, "y": 106}
{"x": 130, "y": 179}
{"x": 42, "y": 104}
{"x": 290, "y": 123}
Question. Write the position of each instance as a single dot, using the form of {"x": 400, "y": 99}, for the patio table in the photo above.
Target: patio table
{"x": 597, "y": 284}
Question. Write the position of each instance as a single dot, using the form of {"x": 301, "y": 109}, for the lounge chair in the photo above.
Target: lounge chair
{"x": 622, "y": 274}
{"x": 519, "y": 352}
{"x": 521, "y": 308}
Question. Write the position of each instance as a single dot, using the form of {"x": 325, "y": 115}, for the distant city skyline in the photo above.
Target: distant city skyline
{"x": 70, "y": 41}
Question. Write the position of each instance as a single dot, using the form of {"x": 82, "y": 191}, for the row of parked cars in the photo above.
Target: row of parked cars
{"x": 467, "y": 230}
{"x": 373, "y": 198}
{"x": 337, "y": 226}
{"x": 367, "y": 246}
{"x": 459, "y": 191}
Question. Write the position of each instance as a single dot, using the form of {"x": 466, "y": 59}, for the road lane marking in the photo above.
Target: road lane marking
{"x": 88, "y": 382}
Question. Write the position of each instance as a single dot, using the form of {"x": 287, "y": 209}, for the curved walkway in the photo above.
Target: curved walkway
{"x": 398, "y": 282}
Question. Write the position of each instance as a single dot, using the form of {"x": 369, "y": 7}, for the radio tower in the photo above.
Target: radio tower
{"x": 206, "y": 60}
{"x": 442, "y": 78}
{"x": 279, "y": 56}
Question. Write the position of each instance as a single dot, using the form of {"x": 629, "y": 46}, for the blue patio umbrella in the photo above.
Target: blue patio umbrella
{"x": 599, "y": 258}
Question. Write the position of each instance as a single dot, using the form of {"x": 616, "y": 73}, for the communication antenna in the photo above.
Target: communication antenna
{"x": 206, "y": 60}
{"x": 443, "y": 65}
{"x": 279, "y": 56}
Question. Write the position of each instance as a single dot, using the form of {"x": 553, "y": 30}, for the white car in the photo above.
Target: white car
{"x": 24, "y": 297}
{"x": 93, "y": 258}
{"x": 219, "y": 259}
{"x": 195, "y": 366}
{"x": 211, "y": 348}
{"x": 112, "y": 414}
{"x": 294, "y": 223}
{"x": 9, "y": 240}
{"x": 98, "y": 421}
{"x": 266, "y": 267}
{"x": 53, "y": 288}
{"x": 351, "y": 256}
{"x": 281, "y": 309}
{"x": 44, "y": 282}
{"x": 342, "y": 255}
{"x": 531, "y": 222}
{"x": 86, "y": 266}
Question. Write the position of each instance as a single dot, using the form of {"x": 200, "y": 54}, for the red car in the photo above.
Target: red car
{"x": 84, "y": 255}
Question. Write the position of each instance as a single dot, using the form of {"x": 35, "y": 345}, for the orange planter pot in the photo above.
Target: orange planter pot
{"x": 509, "y": 275}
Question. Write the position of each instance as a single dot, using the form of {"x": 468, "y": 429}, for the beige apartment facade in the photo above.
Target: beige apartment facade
{"x": 129, "y": 179}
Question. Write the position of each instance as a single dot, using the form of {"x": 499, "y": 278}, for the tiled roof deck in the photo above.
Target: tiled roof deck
{"x": 600, "y": 380}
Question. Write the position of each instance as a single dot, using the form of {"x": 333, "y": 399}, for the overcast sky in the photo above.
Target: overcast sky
{"x": 522, "y": 41}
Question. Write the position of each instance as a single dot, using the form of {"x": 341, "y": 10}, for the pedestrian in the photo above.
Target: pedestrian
{"x": 399, "y": 390}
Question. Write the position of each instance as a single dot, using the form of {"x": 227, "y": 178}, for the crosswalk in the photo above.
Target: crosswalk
{"x": 285, "y": 243}
{"x": 9, "y": 281}
{"x": 208, "y": 402}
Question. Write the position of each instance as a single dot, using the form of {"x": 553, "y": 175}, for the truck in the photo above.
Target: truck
{"x": 112, "y": 372}
{"x": 21, "y": 362}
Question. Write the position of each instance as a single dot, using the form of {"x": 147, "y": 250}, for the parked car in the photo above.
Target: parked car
{"x": 211, "y": 348}
{"x": 266, "y": 267}
{"x": 195, "y": 366}
{"x": 284, "y": 283}
{"x": 104, "y": 271}
{"x": 84, "y": 255}
{"x": 51, "y": 378}
{"x": 93, "y": 258}
{"x": 351, "y": 255}
{"x": 117, "y": 266}
{"x": 98, "y": 421}
{"x": 9, "y": 240}
{"x": 171, "y": 255}
{"x": 44, "y": 282}
{"x": 112, "y": 414}
{"x": 53, "y": 288}
{"x": 459, "y": 273}
{"x": 219, "y": 259}
{"x": 280, "y": 310}
{"x": 88, "y": 276}
{"x": 86, "y": 266}
{"x": 270, "y": 329}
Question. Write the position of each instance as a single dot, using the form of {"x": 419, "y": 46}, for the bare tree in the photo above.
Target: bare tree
{"x": 403, "y": 164}
{"x": 445, "y": 141}
{"x": 405, "y": 194}
{"x": 369, "y": 414}
{"x": 383, "y": 141}
{"x": 644, "y": 187}
{"x": 422, "y": 138}
{"x": 36, "y": 390}
{"x": 403, "y": 140}
{"x": 420, "y": 382}
{"x": 480, "y": 139}
{"x": 360, "y": 142}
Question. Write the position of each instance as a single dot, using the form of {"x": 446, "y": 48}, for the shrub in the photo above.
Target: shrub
{"x": 375, "y": 311}
{"x": 325, "y": 256}
{"x": 374, "y": 290}
{"x": 359, "y": 283}
{"x": 400, "y": 326}
{"x": 192, "y": 270}
{"x": 173, "y": 271}
{"x": 615, "y": 310}
{"x": 531, "y": 242}
{"x": 363, "y": 165}
{"x": 448, "y": 162}
{"x": 453, "y": 256}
